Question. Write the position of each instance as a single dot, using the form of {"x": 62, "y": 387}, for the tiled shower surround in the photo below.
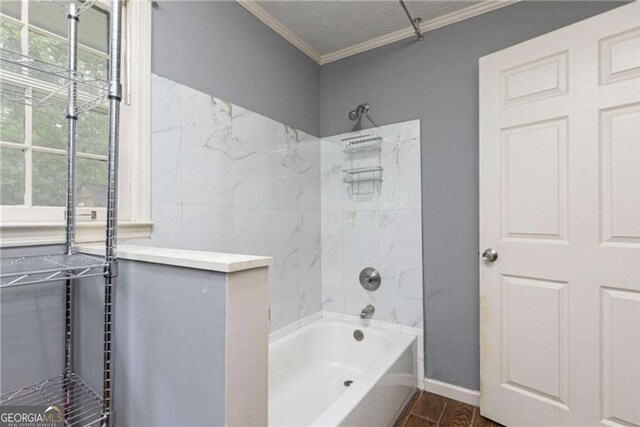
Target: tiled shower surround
{"x": 382, "y": 230}
{"x": 226, "y": 179}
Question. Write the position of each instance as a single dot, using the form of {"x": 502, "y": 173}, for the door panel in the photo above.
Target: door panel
{"x": 621, "y": 356}
{"x": 534, "y": 180}
{"x": 560, "y": 202}
{"x": 535, "y": 334}
{"x": 542, "y": 78}
{"x": 620, "y": 56}
{"x": 620, "y": 173}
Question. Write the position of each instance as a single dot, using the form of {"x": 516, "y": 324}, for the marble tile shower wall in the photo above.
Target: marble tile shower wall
{"x": 229, "y": 180}
{"x": 382, "y": 231}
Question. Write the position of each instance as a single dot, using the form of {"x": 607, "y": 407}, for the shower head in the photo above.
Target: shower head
{"x": 358, "y": 111}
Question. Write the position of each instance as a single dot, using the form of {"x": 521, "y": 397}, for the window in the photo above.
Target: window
{"x": 33, "y": 140}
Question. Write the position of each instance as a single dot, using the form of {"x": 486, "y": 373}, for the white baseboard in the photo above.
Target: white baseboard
{"x": 472, "y": 397}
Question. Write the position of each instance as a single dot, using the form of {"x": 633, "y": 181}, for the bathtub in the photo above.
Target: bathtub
{"x": 308, "y": 369}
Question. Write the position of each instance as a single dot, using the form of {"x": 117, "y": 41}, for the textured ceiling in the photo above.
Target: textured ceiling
{"x": 328, "y": 26}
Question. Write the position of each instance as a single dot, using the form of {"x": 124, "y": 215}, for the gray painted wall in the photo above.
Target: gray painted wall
{"x": 218, "y": 47}
{"x": 170, "y": 340}
{"x": 31, "y": 327}
{"x": 436, "y": 81}
{"x": 170, "y": 343}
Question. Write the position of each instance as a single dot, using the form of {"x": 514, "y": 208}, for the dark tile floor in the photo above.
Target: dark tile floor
{"x": 430, "y": 410}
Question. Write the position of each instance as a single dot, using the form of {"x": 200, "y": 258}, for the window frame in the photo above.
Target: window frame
{"x": 32, "y": 225}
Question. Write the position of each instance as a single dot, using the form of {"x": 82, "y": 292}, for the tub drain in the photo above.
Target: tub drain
{"x": 347, "y": 383}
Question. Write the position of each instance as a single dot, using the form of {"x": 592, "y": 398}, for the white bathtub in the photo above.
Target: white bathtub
{"x": 308, "y": 368}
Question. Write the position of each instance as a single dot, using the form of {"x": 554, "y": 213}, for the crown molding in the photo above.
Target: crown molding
{"x": 425, "y": 26}
{"x": 276, "y": 26}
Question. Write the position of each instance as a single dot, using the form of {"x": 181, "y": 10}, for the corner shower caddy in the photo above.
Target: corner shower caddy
{"x": 26, "y": 80}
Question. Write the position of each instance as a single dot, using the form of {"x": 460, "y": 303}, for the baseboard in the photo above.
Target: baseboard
{"x": 472, "y": 397}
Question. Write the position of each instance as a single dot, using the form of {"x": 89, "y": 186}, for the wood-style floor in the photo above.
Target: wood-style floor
{"x": 430, "y": 410}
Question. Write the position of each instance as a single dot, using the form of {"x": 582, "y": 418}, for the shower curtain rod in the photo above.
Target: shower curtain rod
{"x": 415, "y": 22}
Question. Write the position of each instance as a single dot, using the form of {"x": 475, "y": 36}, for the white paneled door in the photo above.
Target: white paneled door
{"x": 560, "y": 205}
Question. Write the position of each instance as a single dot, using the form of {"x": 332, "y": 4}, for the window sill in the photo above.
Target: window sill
{"x": 51, "y": 233}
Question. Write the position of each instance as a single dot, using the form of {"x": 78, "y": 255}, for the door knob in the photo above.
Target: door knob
{"x": 490, "y": 255}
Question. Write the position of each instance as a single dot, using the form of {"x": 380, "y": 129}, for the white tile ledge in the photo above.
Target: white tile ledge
{"x": 201, "y": 260}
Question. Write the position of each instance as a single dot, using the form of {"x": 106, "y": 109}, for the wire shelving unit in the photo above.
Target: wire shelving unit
{"x": 33, "y": 82}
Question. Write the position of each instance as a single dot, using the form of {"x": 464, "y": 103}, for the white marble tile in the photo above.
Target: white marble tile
{"x": 283, "y": 247}
{"x": 167, "y": 226}
{"x": 361, "y": 234}
{"x": 283, "y": 312}
{"x": 331, "y": 175}
{"x": 207, "y": 228}
{"x": 251, "y": 231}
{"x": 333, "y": 299}
{"x": 206, "y": 193}
{"x": 166, "y": 173}
{"x": 310, "y": 265}
{"x": 408, "y": 311}
{"x": 309, "y": 302}
{"x": 308, "y": 169}
{"x": 208, "y": 175}
{"x": 284, "y": 190}
{"x": 401, "y": 253}
{"x": 253, "y": 136}
{"x": 332, "y": 250}
{"x": 401, "y": 188}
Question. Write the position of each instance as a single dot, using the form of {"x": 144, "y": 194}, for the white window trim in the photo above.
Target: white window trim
{"x": 135, "y": 180}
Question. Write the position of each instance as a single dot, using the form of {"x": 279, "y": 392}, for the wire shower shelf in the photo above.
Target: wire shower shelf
{"x": 78, "y": 403}
{"x": 361, "y": 145}
{"x": 26, "y": 80}
{"x": 358, "y": 177}
{"x": 364, "y": 176}
{"x": 29, "y": 270}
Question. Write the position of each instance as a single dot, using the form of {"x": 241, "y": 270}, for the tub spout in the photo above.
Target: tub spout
{"x": 367, "y": 311}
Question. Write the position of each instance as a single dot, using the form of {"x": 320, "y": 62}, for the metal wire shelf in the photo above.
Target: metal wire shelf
{"x": 26, "y": 80}
{"x": 78, "y": 403}
{"x": 82, "y": 6}
{"x": 363, "y": 144}
{"x": 364, "y": 181}
{"x": 30, "y": 270}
